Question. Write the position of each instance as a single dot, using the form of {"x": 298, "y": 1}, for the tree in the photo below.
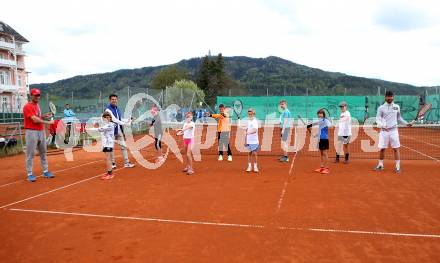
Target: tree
{"x": 212, "y": 78}
{"x": 167, "y": 76}
{"x": 183, "y": 93}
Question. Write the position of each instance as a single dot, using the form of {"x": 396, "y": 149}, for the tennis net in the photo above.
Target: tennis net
{"x": 420, "y": 142}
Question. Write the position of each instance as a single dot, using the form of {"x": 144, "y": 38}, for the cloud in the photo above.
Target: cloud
{"x": 79, "y": 30}
{"x": 399, "y": 17}
{"x": 84, "y": 37}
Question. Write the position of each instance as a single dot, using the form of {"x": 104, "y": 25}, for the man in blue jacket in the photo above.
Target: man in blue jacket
{"x": 116, "y": 114}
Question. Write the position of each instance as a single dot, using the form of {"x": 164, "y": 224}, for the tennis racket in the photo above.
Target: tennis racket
{"x": 366, "y": 108}
{"x": 179, "y": 133}
{"x": 238, "y": 107}
{"x": 52, "y": 109}
{"x": 422, "y": 111}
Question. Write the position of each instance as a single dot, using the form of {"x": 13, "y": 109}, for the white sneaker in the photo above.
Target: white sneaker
{"x": 249, "y": 169}
{"x": 256, "y": 169}
{"x": 220, "y": 157}
{"x": 230, "y": 158}
{"x": 128, "y": 165}
{"x": 113, "y": 166}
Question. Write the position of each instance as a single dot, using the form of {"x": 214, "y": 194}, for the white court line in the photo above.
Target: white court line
{"x": 251, "y": 226}
{"x": 57, "y": 171}
{"x": 56, "y": 189}
{"x": 435, "y": 145}
{"x": 283, "y": 192}
{"x": 411, "y": 149}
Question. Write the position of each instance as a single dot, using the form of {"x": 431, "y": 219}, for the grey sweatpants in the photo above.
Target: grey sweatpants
{"x": 120, "y": 140}
{"x": 36, "y": 139}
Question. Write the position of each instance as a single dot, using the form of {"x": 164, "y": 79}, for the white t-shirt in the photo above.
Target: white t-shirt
{"x": 345, "y": 124}
{"x": 252, "y": 138}
{"x": 189, "y": 134}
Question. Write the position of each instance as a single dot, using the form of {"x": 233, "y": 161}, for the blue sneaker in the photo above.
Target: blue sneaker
{"x": 48, "y": 175}
{"x": 31, "y": 178}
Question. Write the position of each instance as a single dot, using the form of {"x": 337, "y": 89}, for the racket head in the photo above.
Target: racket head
{"x": 52, "y": 108}
{"x": 229, "y": 111}
{"x": 179, "y": 133}
{"x": 301, "y": 120}
{"x": 327, "y": 113}
{"x": 423, "y": 110}
{"x": 238, "y": 107}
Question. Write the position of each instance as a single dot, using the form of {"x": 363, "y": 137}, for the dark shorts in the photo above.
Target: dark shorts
{"x": 323, "y": 144}
{"x": 107, "y": 149}
{"x": 285, "y": 135}
{"x": 158, "y": 143}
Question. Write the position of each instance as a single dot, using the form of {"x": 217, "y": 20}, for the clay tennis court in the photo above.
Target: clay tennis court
{"x": 223, "y": 214}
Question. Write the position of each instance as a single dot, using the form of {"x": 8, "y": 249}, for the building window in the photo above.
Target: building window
{"x": 4, "y": 78}
{"x": 4, "y": 103}
{"x": 19, "y": 80}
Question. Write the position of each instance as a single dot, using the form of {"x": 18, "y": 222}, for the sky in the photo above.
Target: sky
{"x": 387, "y": 39}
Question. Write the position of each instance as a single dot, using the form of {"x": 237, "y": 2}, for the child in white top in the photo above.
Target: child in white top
{"x": 188, "y": 141}
{"x": 344, "y": 133}
{"x": 252, "y": 142}
{"x": 108, "y": 141}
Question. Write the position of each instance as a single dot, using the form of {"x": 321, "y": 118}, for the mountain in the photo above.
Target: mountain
{"x": 255, "y": 76}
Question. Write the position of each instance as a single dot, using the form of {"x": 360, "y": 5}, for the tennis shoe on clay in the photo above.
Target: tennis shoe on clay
{"x": 325, "y": 171}
{"x": 220, "y": 157}
{"x": 190, "y": 172}
{"x": 48, "y": 175}
{"x": 105, "y": 177}
{"x": 256, "y": 169}
{"x": 128, "y": 165}
{"x": 397, "y": 170}
{"x": 249, "y": 169}
{"x": 185, "y": 169}
{"x": 284, "y": 159}
{"x": 379, "y": 168}
{"x": 319, "y": 170}
{"x": 31, "y": 178}
{"x": 113, "y": 166}
{"x": 229, "y": 158}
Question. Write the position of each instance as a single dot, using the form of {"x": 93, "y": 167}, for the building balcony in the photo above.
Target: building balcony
{"x": 9, "y": 88}
{"x": 7, "y": 63}
{"x": 20, "y": 51}
{"x": 7, "y": 45}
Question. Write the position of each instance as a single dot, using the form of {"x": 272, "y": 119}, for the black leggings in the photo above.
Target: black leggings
{"x": 223, "y": 140}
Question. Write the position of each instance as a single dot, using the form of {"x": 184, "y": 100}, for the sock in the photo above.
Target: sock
{"x": 398, "y": 164}
{"x": 346, "y": 156}
{"x": 337, "y": 157}
{"x": 249, "y": 165}
{"x": 380, "y": 162}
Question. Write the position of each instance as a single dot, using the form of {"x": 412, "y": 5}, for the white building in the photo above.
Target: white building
{"x": 14, "y": 86}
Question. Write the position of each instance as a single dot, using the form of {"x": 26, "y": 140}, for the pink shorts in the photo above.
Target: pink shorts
{"x": 188, "y": 141}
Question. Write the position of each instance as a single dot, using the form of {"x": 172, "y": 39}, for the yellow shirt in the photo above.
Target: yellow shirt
{"x": 223, "y": 122}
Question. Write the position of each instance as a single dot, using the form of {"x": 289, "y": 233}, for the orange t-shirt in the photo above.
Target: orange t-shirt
{"x": 223, "y": 122}
{"x": 29, "y": 110}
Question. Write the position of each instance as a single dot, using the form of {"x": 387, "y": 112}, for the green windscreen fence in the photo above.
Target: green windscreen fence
{"x": 307, "y": 106}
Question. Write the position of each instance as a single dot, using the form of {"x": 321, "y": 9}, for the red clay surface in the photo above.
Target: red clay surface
{"x": 265, "y": 221}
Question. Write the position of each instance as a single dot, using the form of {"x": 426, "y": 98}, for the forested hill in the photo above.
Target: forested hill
{"x": 250, "y": 76}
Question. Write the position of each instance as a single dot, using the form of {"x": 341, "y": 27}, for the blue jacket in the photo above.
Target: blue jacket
{"x": 117, "y": 113}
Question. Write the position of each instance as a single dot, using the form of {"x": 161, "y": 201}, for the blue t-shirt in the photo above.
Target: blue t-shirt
{"x": 285, "y": 114}
{"x": 323, "y": 124}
